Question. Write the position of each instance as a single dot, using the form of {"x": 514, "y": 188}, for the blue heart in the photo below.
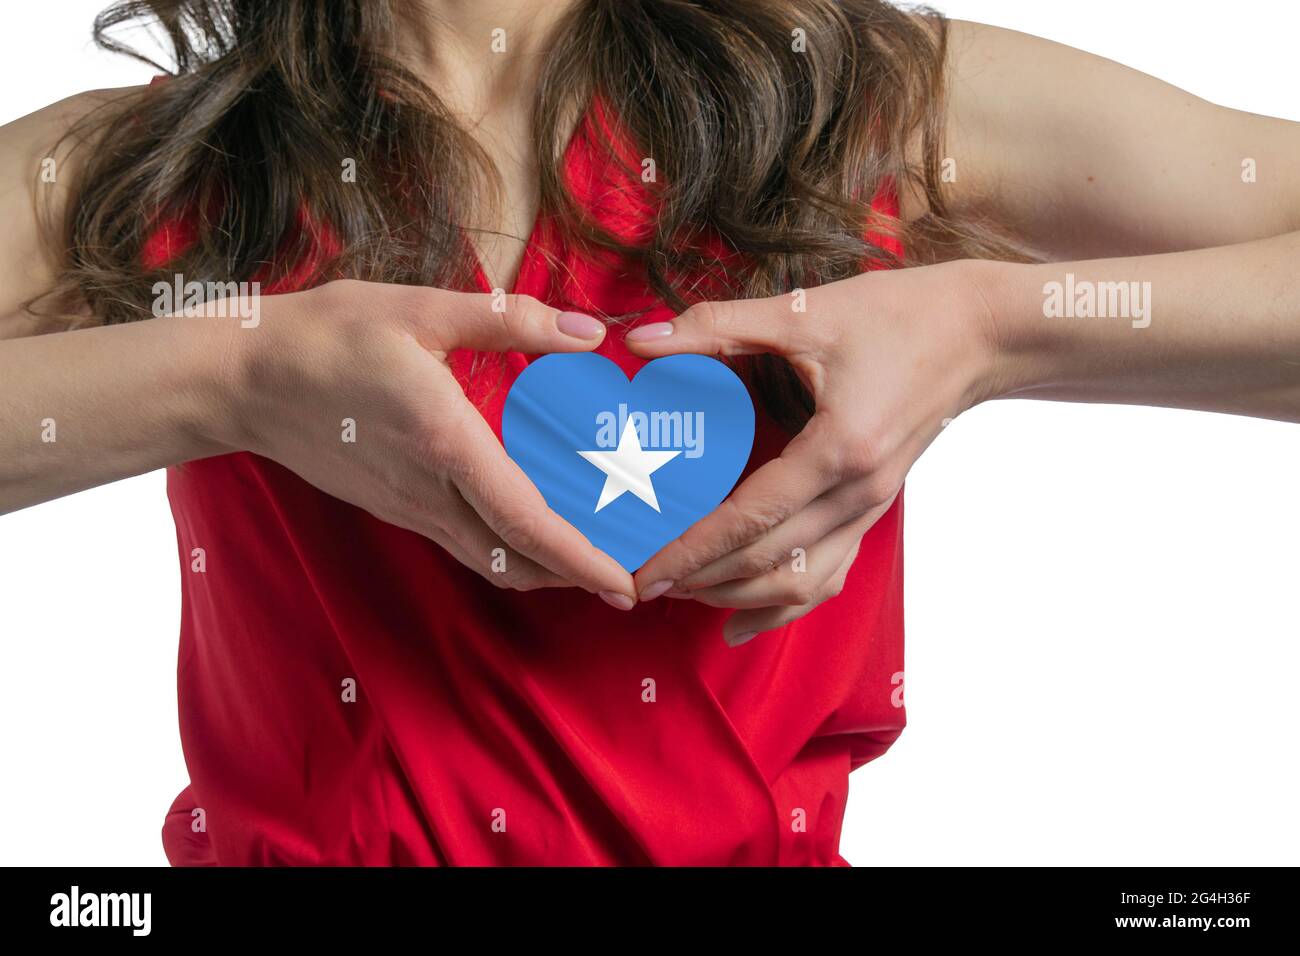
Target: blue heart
{"x": 564, "y": 405}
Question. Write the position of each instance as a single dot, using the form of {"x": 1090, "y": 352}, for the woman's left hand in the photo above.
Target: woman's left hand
{"x": 889, "y": 357}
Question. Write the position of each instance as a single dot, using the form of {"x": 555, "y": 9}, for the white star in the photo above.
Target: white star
{"x": 628, "y": 468}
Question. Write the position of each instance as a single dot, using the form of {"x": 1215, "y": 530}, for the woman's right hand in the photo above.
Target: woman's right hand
{"x": 423, "y": 457}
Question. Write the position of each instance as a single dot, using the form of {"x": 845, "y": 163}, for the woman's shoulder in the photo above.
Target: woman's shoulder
{"x": 39, "y": 154}
{"x": 45, "y": 127}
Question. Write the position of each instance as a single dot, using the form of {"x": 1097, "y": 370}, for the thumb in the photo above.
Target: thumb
{"x": 735, "y": 327}
{"x": 510, "y": 323}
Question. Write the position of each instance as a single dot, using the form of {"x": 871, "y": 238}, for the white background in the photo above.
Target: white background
{"x": 1102, "y": 602}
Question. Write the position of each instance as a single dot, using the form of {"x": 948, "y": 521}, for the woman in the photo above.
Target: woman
{"x": 392, "y": 651}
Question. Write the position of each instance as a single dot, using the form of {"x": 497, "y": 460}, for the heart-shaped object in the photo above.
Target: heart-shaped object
{"x": 629, "y": 464}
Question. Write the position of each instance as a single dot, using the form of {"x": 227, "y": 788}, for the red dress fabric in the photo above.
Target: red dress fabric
{"x": 498, "y": 727}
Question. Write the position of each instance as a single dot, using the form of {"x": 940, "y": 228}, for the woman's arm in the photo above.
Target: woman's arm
{"x": 82, "y": 408}
{"x": 1219, "y": 329}
{"x": 1080, "y": 157}
{"x": 891, "y": 358}
{"x": 88, "y": 407}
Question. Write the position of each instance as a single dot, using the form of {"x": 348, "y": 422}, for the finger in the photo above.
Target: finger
{"x": 847, "y": 504}
{"x": 774, "y": 492}
{"x": 515, "y": 510}
{"x": 479, "y": 549}
{"x": 736, "y": 327}
{"x": 744, "y": 626}
{"x": 793, "y": 584}
{"x": 505, "y": 323}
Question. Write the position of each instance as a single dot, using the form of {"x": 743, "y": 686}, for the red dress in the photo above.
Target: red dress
{"x": 499, "y": 727}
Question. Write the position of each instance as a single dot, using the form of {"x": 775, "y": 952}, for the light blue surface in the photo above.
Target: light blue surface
{"x": 552, "y": 412}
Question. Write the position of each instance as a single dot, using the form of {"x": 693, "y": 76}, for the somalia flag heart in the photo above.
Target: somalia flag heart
{"x": 629, "y": 464}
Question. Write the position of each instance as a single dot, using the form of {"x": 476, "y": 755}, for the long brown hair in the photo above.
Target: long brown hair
{"x": 772, "y": 140}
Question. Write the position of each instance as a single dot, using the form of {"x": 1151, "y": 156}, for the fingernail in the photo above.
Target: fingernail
{"x": 651, "y": 332}
{"x": 617, "y": 599}
{"x": 681, "y": 595}
{"x": 735, "y": 640}
{"x": 656, "y": 589}
{"x": 578, "y": 325}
